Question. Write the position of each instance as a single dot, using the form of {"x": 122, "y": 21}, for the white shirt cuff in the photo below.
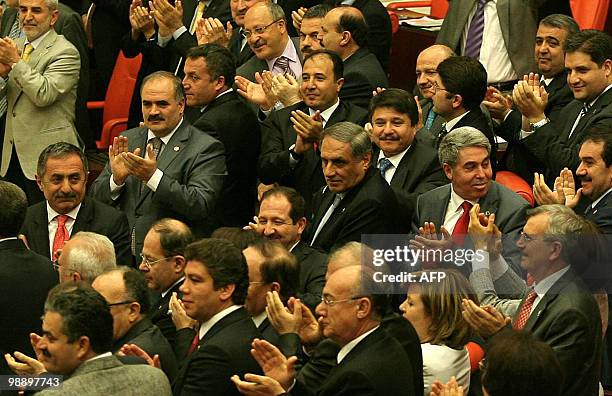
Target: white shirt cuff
{"x": 178, "y": 32}
{"x": 292, "y": 161}
{"x": 525, "y": 134}
{"x": 154, "y": 181}
{"x": 163, "y": 41}
{"x": 115, "y": 189}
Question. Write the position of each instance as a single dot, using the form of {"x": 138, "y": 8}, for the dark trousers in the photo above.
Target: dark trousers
{"x": 15, "y": 175}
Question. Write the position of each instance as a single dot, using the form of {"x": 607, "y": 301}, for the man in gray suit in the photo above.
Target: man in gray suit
{"x": 77, "y": 336}
{"x": 42, "y": 71}
{"x": 167, "y": 168}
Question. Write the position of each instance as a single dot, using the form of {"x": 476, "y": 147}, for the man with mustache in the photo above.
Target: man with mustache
{"x": 62, "y": 177}
{"x": 310, "y": 28}
{"x": 167, "y": 168}
{"x": 289, "y": 154}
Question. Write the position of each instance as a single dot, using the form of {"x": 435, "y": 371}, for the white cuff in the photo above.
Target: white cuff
{"x": 507, "y": 114}
{"x": 115, "y": 189}
{"x": 178, "y": 32}
{"x": 292, "y": 161}
{"x": 154, "y": 181}
{"x": 163, "y": 41}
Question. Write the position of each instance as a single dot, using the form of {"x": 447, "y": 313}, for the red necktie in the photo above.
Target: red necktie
{"x": 194, "y": 343}
{"x": 461, "y": 227}
{"x": 61, "y": 234}
{"x": 525, "y": 311}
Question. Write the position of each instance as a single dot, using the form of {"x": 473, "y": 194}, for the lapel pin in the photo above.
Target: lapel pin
{"x": 176, "y": 148}
{"x": 487, "y": 213}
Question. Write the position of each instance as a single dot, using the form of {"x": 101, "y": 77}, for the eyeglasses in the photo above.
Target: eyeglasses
{"x": 57, "y": 267}
{"x": 527, "y": 237}
{"x": 120, "y": 303}
{"x": 435, "y": 88}
{"x": 330, "y": 302}
{"x": 259, "y": 30}
{"x": 149, "y": 263}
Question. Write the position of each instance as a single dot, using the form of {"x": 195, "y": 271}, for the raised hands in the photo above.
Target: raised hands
{"x": 429, "y": 244}
{"x": 257, "y": 385}
{"x": 530, "y": 98}
{"x": 285, "y": 89}
{"x": 297, "y": 16}
{"x": 498, "y": 105}
{"x": 135, "y": 350}
{"x": 211, "y": 30}
{"x": 486, "y": 320}
{"x": 21, "y": 364}
{"x": 168, "y": 17}
{"x": 295, "y": 318}
{"x": 179, "y": 317}
{"x": 259, "y": 93}
{"x": 308, "y": 129}
{"x": 141, "y": 20}
{"x": 273, "y": 363}
{"x": 9, "y": 53}
{"x": 451, "y": 388}
{"x": 118, "y": 166}
{"x": 482, "y": 229}
{"x": 565, "y": 190}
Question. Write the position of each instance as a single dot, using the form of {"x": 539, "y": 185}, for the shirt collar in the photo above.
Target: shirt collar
{"x": 289, "y": 53}
{"x": 39, "y": 40}
{"x": 326, "y": 114}
{"x": 542, "y": 287}
{"x": 258, "y": 319}
{"x": 9, "y": 239}
{"x": 450, "y": 124}
{"x": 455, "y": 201}
{"x": 163, "y": 294}
{"x": 218, "y": 96}
{"x": 294, "y": 245}
{"x": 216, "y": 317}
{"x": 345, "y": 350}
{"x": 52, "y": 214}
{"x": 594, "y": 204}
{"x": 100, "y": 356}
{"x": 165, "y": 139}
{"x": 395, "y": 159}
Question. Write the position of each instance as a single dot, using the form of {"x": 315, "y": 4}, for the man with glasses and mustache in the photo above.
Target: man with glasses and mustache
{"x": 62, "y": 176}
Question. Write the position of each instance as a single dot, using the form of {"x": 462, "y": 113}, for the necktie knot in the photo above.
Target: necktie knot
{"x": 27, "y": 50}
{"x": 525, "y": 310}
{"x": 156, "y": 144}
{"x": 61, "y": 220}
{"x": 384, "y": 164}
{"x": 466, "y": 206}
{"x": 282, "y": 65}
{"x": 585, "y": 108}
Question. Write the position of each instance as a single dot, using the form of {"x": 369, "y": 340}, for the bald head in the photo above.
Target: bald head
{"x": 426, "y": 66}
{"x": 344, "y": 31}
{"x": 350, "y": 254}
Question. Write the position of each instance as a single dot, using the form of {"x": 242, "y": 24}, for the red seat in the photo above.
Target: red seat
{"x": 590, "y": 14}
{"x": 438, "y": 7}
{"x": 394, "y": 21}
{"x": 517, "y": 184}
{"x": 476, "y": 354}
{"x": 116, "y": 104}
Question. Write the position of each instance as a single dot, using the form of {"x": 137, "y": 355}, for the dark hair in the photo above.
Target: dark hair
{"x": 225, "y": 264}
{"x": 317, "y": 11}
{"x": 136, "y": 288}
{"x": 354, "y": 23}
{"x": 237, "y": 236}
{"x": 84, "y": 312}
{"x": 596, "y": 44}
{"x": 177, "y": 84}
{"x": 296, "y": 201}
{"x": 561, "y": 21}
{"x": 14, "y": 204}
{"x": 519, "y": 365}
{"x": 397, "y": 99}
{"x": 337, "y": 64}
{"x": 278, "y": 266}
{"x": 466, "y": 77}
{"x": 601, "y": 135}
{"x": 219, "y": 61}
{"x": 174, "y": 236}
{"x": 59, "y": 150}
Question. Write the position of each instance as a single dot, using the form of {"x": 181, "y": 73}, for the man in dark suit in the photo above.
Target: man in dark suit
{"x": 559, "y": 309}
{"x": 408, "y": 161}
{"x": 62, "y": 177}
{"x": 459, "y": 89}
{"x": 282, "y": 218}
{"x": 25, "y": 277}
{"x": 271, "y": 269}
{"x": 182, "y": 181}
{"x": 288, "y": 153}
{"x": 344, "y": 32}
{"x": 163, "y": 265}
{"x": 555, "y": 143}
{"x": 215, "y": 288}
{"x": 357, "y": 200}
{"x": 209, "y": 75}
{"x": 125, "y": 290}
{"x": 370, "y": 361}
{"x": 464, "y": 154}
{"x": 551, "y": 38}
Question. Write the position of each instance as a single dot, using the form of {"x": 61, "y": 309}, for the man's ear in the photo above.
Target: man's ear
{"x": 179, "y": 264}
{"x": 226, "y": 292}
{"x": 457, "y": 101}
{"x": 346, "y": 38}
{"x": 39, "y": 182}
{"x": 448, "y": 171}
{"x": 76, "y": 276}
{"x": 367, "y": 159}
{"x": 301, "y": 223}
{"x": 275, "y": 286}
{"x": 134, "y": 314}
{"x": 83, "y": 346}
{"x": 364, "y": 307}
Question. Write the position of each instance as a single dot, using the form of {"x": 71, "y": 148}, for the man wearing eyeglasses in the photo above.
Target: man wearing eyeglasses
{"x": 163, "y": 266}
{"x": 125, "y": 290}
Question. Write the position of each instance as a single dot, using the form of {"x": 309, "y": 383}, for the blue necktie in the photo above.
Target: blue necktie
{"x": 431, "y": 116}
{"x": 384, "y": 164}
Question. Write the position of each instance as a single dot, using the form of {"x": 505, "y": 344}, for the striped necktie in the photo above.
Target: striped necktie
{"x": 473, "y": 40}
{"x": 198, "y": 15}
{"x": 282, "y": 65}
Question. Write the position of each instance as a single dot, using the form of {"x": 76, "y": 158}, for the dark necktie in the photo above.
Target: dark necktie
{"x": 461, "y": 228}
{"x": 584, "y": 111}
{"x": 473, "y": 40}
{"x": 384, "y": 164}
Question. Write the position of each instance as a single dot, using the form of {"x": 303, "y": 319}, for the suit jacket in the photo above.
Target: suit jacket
{"x": 108, "y": 376}
{"x": 518, "y": 159}
{"x": 268, "y": 332}
{"x": 370, "y": 207}
{"x": 25, "y": 278}
{"x": 362, "y": 75}
{"x": 602, "y": 214}
{"x": 519, "y": 40}
{"x": 377, "y": 365}
{"x": 475, "y": 118}
{"x": 427, "y": 106}
{"x": 240, "y": 55}
{"x": 313, "y": 267}
{"x": 159, "y": 315}
{"x": 419, "y": 171}
{"x": 148, "y": 337}
{"x": 254, "y": 64}
{"x": 277, "y": 135}
{"x": 93, "y": 216}
{"x": 194, "y": 170}
{"x": 41, "y": 96}
{"x": 223, "y": 351}
{"x": 553, "y": 145}
{"x": 241, "y": 139}
{"x": 509, "y": 208}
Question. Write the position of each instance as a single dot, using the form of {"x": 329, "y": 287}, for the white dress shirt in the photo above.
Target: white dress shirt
{"x": 454, "y": 210}
{"x": 395, "y": 161}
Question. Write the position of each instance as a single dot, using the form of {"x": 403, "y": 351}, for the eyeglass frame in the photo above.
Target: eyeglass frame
{"x": 330, "y": 303}
{"x": 436, "y": 87}
{"x": 120, "y": 303}
{"x": 259, "y": 30}
{"x": 149, "y": 264}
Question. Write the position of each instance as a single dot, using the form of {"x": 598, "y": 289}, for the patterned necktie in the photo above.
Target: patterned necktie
{"x": 198, "y": 15}
{"x": 282, "y": 65}
{"x": 473, "y": 41}
{"x": 431, "y": 116}
{"x": 461, "y": 228}
{"x": 525, "y": 311}
{"x": 156, "y": 143}
{"x": 61, "y": 234}
{"x": 27, "y": 50}
{"x": 384, "y": 164}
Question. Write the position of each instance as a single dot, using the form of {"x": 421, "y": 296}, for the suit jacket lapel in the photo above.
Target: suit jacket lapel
{"x": 326, "y": 201}
{"x": 403, "y": 168}
{"x": 490, "y": 203}
{"x": 42, "y": 49}
{"x": 548, "y": 298}
{"x": 41, "y": 229}
{"x": 84, "y": 217}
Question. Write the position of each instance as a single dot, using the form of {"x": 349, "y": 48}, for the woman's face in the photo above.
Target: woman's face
{"x": 414, "y": 311}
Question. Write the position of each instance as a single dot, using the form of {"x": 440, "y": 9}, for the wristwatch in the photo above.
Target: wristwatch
{"x": 535, "y": 126}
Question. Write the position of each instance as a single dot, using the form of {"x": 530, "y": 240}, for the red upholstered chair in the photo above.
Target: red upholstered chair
{"x": 394, "y": 21}
{"x": 590, "y": 14}
{"x": 116, "y": 104}
{"x": 438, "y": 7}
{"x": 517, "y": 184}
{"x": 476, "y": 355}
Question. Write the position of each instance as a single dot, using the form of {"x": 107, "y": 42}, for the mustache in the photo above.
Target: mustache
{"x": 155, "y": 118}
{"x": 388, "y": 138}
{"x": 65, "y": 195}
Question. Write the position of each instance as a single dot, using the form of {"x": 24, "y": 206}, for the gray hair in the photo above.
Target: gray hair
{"x": 347, "y": 132}
{"x": 561, "y": 21}
{"x": 177, "y": 84}
{"x": 458, "y": 139}
{"x": 59, "y": 150}
{"x": 276, "y": 11}
{"x": 93, "y": 255}
{"x": 52, "y": 4}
